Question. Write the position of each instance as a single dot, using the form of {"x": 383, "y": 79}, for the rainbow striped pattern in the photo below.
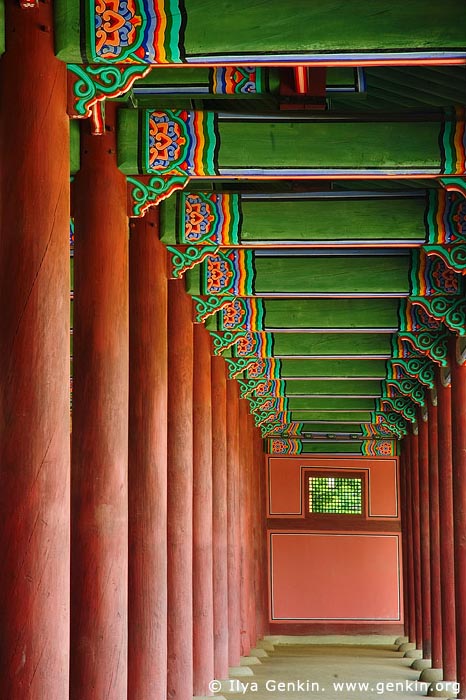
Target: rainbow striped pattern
{"x": 445, "y": 217}
{"x": 378, "y": 448}
{"x": 253, "y": 344}
{"x": 229, "y": 272}
{"x": 209, "y": 218}
{"x": 453, "y": 144}
{"x": 135, "y": 31}
{"x": 179, "y": 142}
{"x": 430, "y": 275}
{"x": 414, "y": 318}
{"x": 237, "y": 81}
{"x": 243, "y": 314}
{"x": 280, "y": 446}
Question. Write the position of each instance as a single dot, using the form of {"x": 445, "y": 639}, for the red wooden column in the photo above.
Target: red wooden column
{"x": 434, "y": 530}
{"x": 99, "y": 474}
{"x": 245, "y": 519}
{"x": 220, "y": 515}
{"x": 424, "y": 427}
{"x": 180, "y": 492}
{"x": 147, "y": 483}
{"x": 34, "y": 362}
{"x": 261, "y": 594}
{"x": 414, "y": 439}
{"x": 410, "y": 541}
{"x": 252, "y": 534}
{"x": 404, "y": 530}
{"x": 447, "y": 558}
{"x": 234, "y": 525}
{"x": 458, "y": 425}
{"x": 203, "y": 601}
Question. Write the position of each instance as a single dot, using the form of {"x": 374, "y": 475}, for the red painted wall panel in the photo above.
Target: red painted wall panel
{"x": 285, "y": 483}
{"x": 383, "y": 488}
{"x": 320, "y": 576}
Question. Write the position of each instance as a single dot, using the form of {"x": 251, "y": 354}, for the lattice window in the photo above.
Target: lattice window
{"x": 329, "y": 494}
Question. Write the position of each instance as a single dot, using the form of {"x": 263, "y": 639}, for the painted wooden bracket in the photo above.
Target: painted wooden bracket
{"x": 274, "y": 405}
{"x": 454, "y": 184}
{"x": 237, "y": 367}
{"x": 145, "y": 192}
{"x": 393, "y": 420}
{"x": 417, "y": 367}
{"x": 272, "y": 388}
{"x": 183, "y": 260}
{"x": 408, "y": 387}
{"x": 225, "y": 341}
{"x": 453, "y": 255}
{"x": 400, "y": 405}
{"x": 208, "y": 306}
{"x": 246, "y": 344}
{"x": 431, "y": 344}
{"x": 449, "y": 310}
{"x": 90, "y": 86}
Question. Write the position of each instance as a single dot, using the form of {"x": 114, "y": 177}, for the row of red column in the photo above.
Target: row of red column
{"x": 433, "y": 469}
{"x": 148, "y": 581}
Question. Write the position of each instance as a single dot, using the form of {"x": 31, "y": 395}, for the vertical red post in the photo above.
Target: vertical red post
{"x": 253, "y": 530}
{"x": 447, "y": 556}
{"x": 245, "y": 568}
{"x": 220, "y": 515}
{"x": 261, "y": 565}
{"x": 180, "y": 492}
{"x": 434, "y": 529}
{"x": 234, "y": 525}
{"x": 147, "y": 477}
{"x": 410, "y": 542}
{"x": 404, "y": 529}
{"x": 414, "y": 439}
{"x": 203, "y": 601}
{"x": 458, "y": 425}
{"x": 34, "y": 361}
{"x": 99, "y": 474}
{"x": 424, "y": 427}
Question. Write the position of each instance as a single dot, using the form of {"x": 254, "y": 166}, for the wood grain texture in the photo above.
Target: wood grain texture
{"x": 34, "y": 362}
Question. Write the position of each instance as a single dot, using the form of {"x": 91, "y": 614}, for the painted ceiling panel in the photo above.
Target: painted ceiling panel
{"x": 333, "y": 368}
{"x": 399, "y": 218}
{"x": 337, "y": 387}
{"x": 333, "y": 275}
{"x": 332, "y": 344}
{"x": 324, "y": 250}
{"x": 331, "y": 313}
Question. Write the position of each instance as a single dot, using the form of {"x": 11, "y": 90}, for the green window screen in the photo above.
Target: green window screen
{"x": 335, "y": 495}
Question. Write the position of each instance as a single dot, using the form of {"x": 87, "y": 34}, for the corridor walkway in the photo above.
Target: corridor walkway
{"x": 330, "y": 672}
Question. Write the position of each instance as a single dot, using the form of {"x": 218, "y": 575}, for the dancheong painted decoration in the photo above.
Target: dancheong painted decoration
{"x": 331, "y": 279}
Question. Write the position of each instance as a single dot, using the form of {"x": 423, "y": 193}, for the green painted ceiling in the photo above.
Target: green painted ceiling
{"x": 325, "y": 343}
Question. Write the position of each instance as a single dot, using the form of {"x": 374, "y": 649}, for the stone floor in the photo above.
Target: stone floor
{"x": 321, "y": 672}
